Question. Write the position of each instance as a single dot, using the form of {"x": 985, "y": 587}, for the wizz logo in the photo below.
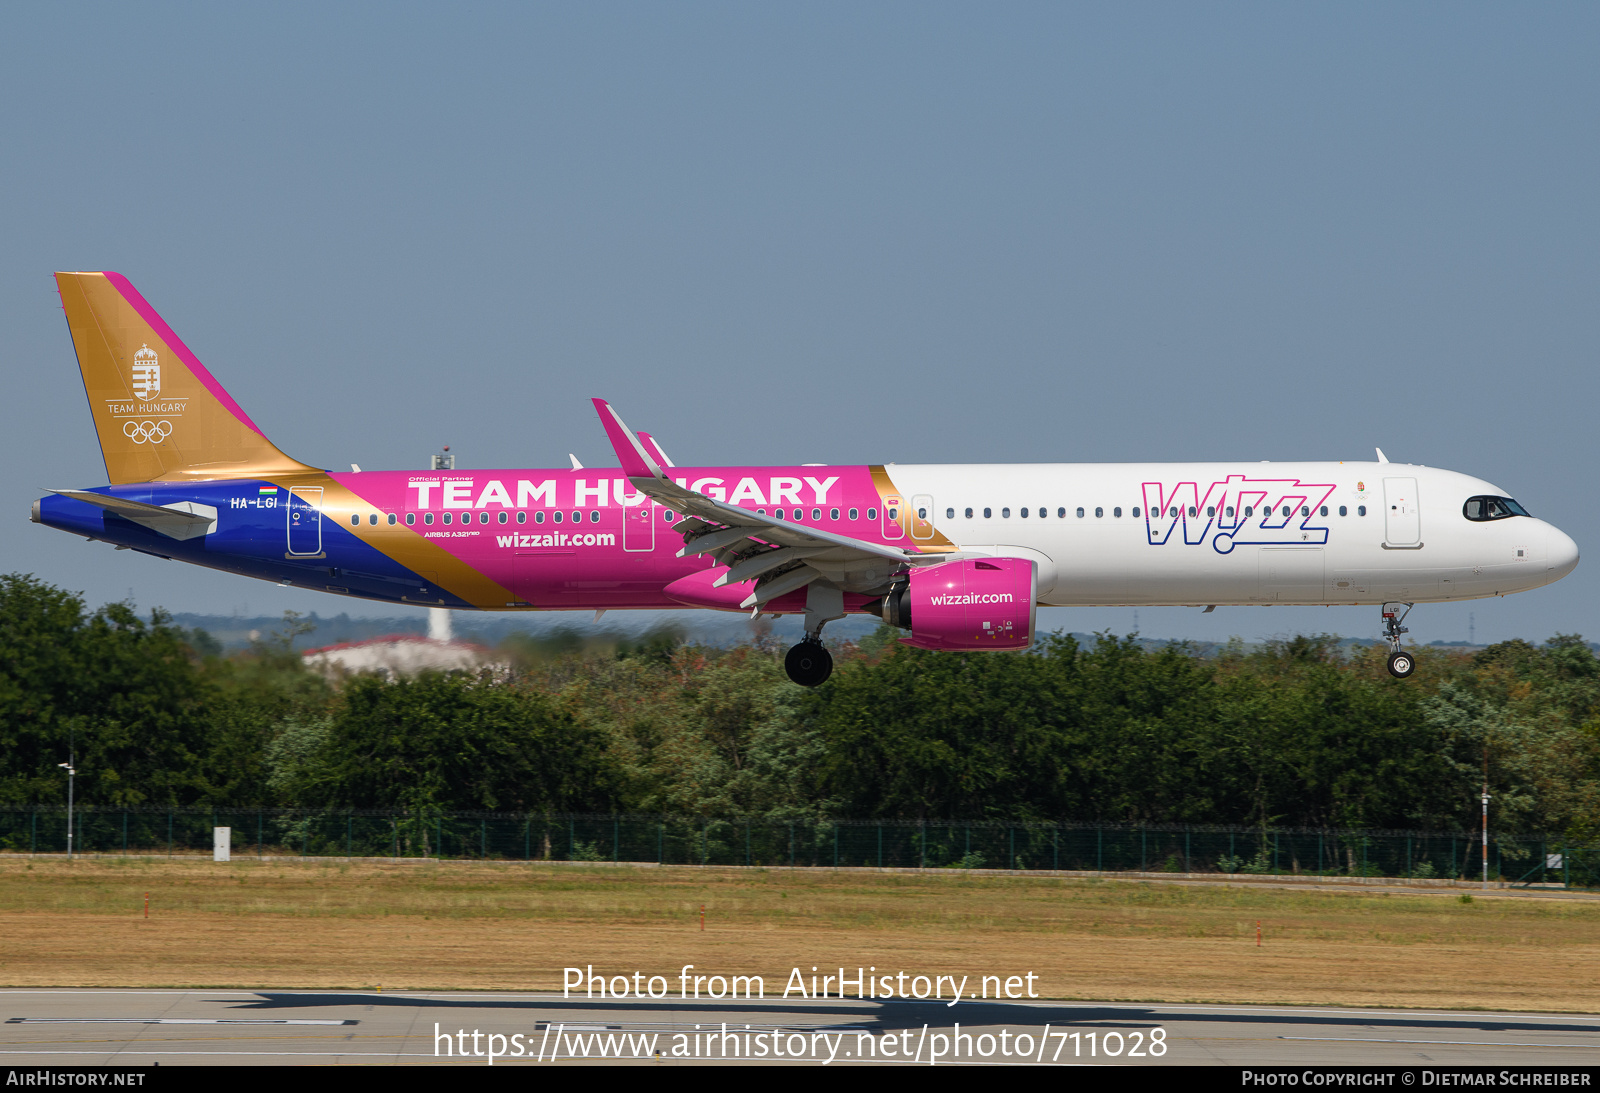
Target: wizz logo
{"x": 1240, "y": 510}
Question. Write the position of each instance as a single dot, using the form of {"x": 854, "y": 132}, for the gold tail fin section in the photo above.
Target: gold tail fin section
{"x": 159, "y": 414}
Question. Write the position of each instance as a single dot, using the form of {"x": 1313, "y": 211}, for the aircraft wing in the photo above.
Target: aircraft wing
{"x": 779, "y": 555}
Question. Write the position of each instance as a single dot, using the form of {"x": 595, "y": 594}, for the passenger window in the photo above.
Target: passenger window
{"x": 1343, "y": 511}
{"x": 427, "y": 518}
{"x": 1324, "y": 510}
{"x": 577, "y": 517}
{"x": 872, "y": 514}
{"x": 411, "y": 518}
{"x": 1361, "y": 510}
{"x": 1043, "y": 512}
{"x": 761, "y": 512}
{"x": 594, "y": 516}
{"x": 447, "y": 518}
{"x": 833, "y": 514}
{"x": 1099, "y": 512}
{"x": 538, "y": 517}
{"x": 392, "y": 519}
{"x": 1061, "y": 513}
{"x": 949, "y": 514}
{"x": 1024, "y": 514}
{"x": 1192, "y": 513}
{"x": 355, "y": 521}
{"x": 1080, "y": 512}
{"x": 1005, "y": 514}
{"x": 1117, "y": 512}
{"x": 557, "y": 516}
{"x": 969, "y": 514}
{"x": 1173, "y": 511}
{"x": 816, "y": 514}
{"x": 373, "y": 519}
{"x": 504, "y": 517}
{"x": 855, "y": 514}
{"x": 1136, "y": 510}
{"x": 1305, "y": 510}
{"x": 894, "y": 514}
{"x": 986, "y": 514}
{"x": 1228, "y": 512}
{"x": 800, "y": 514}
{"x": 668, "y": 515}
{"x": 522, "y": 518}
{"x": 1248, "y": 511}
{"x": 1288, "y": 511}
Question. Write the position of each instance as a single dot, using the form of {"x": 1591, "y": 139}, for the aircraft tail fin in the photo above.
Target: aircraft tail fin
{"x": 158, "y": 412}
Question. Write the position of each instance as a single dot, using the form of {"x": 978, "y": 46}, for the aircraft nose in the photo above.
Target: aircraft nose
{"x": 1560, "y": 552}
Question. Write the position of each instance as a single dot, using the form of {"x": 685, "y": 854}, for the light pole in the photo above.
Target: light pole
{"x": 1486, "y": 835}
{"x": 71, "y": 773}
{"x": 1485, "y": 796}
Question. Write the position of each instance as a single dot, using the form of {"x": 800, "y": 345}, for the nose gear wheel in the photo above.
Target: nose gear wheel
{"x": 1401, "y": 663}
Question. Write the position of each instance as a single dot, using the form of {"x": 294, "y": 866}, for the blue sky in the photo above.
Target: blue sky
{"x": 825, "y": 233}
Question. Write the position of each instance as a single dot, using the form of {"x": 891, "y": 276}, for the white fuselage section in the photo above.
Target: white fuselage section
{"x": 1229, "y": 533}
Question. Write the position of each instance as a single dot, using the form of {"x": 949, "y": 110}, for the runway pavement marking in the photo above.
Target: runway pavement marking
{"x": 1452, "y": 1043}
{"x": 176, "y": 1021}
{"x": 160, "y": 1051}
{"x": 1222, "y": 1007}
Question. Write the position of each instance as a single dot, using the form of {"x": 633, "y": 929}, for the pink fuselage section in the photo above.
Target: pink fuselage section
{"x": 587, "y": 539}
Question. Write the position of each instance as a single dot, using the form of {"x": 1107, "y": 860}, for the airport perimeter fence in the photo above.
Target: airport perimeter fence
{"x": 678, "y": 840}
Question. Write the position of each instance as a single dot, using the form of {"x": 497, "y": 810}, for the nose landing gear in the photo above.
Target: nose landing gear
{"x": 1401, "y": 664}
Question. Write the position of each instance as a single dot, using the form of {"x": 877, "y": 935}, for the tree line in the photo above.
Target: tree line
{"x": 1300, "y": 732}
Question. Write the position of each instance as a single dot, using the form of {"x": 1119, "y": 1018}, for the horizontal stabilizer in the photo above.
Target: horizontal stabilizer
{"x": 183, "y": 520}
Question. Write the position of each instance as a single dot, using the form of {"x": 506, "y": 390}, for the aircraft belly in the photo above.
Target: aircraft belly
{"x": 565, "y": 580}
{"x": 1107, "y": 566}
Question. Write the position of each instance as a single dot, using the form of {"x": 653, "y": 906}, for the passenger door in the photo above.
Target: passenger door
{"x": 305, "y": 521}
{"x": 1402, "y": 516}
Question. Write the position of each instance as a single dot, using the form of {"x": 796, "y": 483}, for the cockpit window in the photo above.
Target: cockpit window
{"x": 1492, "y": 508}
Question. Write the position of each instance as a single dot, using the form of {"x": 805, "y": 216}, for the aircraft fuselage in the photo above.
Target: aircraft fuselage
{"x": 1134, "y": 534}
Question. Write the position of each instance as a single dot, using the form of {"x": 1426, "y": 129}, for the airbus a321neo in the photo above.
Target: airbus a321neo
{"x": 959, "y": 556}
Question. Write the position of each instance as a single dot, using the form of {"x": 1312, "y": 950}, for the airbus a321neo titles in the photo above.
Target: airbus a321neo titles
{"x": 959, "y": 556}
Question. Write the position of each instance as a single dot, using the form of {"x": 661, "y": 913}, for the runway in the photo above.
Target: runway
{"x": 256, "y": 1028}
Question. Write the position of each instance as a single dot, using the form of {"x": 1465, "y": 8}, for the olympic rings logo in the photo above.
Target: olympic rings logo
{"x": 141, "y": 432}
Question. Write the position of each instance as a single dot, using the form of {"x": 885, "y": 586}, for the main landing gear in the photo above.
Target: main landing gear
{"x": 810, "y": 664}
{"x": 1401, "y": 663}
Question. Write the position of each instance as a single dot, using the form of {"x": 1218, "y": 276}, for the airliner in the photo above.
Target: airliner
{"x": 958, "y": 556}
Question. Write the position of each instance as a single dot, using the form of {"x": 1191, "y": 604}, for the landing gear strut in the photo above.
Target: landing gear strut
{"x": 1401, "y": 663}
{"x": 810, "y": 664}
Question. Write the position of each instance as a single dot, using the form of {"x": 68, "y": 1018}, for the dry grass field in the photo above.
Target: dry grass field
{"x": 426, "y": 925}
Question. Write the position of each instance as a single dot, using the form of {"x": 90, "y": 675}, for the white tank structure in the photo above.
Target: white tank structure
{"x": 403, "y": 655}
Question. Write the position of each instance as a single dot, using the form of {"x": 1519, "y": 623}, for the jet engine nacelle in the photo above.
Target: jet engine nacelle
{"x": 980, "y": 603}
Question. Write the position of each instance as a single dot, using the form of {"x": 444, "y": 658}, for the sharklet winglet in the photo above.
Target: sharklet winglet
{"x": 635, "y": 458}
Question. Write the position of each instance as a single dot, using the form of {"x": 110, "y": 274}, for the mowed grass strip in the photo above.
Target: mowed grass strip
{"x": 436, "y": 926}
